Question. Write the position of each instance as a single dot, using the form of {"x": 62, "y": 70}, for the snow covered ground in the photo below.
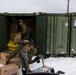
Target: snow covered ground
{"x": 68, "y": 65}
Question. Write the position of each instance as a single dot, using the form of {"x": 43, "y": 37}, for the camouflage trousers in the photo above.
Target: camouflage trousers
{"x": 32, "y": 53}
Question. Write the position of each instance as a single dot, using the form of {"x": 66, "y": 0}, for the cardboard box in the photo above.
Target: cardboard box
{"x": 15, "y": 61}
{"x": 4, "y": 57}
{"x": 11, "y": 69}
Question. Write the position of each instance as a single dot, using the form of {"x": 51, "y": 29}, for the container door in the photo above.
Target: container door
{"x": 61, "y": 34}
{"x": 41, "y": 33}
{"x": 50, "y": 36}
{"x": 3, "y": 33}
{"x": 73, "y": 36}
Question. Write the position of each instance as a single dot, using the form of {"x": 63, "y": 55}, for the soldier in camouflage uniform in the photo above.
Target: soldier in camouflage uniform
{"x": 30, "y": 49}
{"x": 24, "y": 30}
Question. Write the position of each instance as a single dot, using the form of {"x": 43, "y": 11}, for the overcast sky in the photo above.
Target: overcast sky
{"x": 28, "y": 6}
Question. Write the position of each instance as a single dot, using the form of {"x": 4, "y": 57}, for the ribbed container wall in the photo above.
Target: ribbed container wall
{"x": 61, "y": 34}
{"x": 50, "y": 36}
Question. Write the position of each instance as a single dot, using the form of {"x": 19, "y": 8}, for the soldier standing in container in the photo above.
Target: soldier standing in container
{"x": 24, "y": 30}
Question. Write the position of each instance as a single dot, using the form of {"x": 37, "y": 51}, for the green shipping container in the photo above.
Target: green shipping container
{"x": 37, "y": 24}
{"x": 5, "y": 24}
